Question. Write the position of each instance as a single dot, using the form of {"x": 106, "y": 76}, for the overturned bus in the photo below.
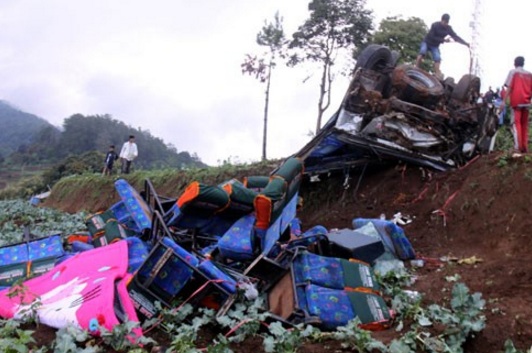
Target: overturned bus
{"x": 401, "y": 112}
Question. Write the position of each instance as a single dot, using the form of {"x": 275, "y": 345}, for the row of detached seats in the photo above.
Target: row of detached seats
{"x": 329, "y": 292}
{"x": 248, "y": 217}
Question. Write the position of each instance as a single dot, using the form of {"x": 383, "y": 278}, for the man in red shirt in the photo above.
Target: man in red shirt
{"x": 519, "y": 83}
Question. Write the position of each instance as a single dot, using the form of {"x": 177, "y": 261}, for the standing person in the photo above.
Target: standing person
{"x": 508, "y": 114}
{"x": 437, "y": 35}
{"x": 519, "y": 84}
{"x": 128, "y": 153}
{"x": 489, "y": 96}
{"x": 110, "y": 159}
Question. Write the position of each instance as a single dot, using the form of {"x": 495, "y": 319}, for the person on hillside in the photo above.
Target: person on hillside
{"x": 506, "y": 116}
{"x": 519, "y": 92}
{"x": 128, "y": 153}
{"x": 489, "y": 96}
{"x": 438, "y": 33}
{"x": 110, "y": 159}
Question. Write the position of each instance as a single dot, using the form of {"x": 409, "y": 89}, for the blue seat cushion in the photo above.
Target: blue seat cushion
{"x": 331, "y": 306}
{"x": 391, "y": 235}
{"x": 210, "y": 270}
{"x": 333, "y": 272}
{"x": 138, "y": 251}
{"x": 335, "y": 307}
{"x": 237, "y": 242}
{"x": 175, "y": 271}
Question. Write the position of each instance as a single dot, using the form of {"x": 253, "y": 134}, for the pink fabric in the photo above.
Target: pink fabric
{"x": 80, "y": 291}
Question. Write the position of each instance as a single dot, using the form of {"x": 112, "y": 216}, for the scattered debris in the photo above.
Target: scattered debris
{"x": 211, "y": 247}
{"x": 470, "y": 261}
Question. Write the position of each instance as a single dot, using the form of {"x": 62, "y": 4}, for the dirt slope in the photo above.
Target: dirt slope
{"x": 485, "y": 212}
{"x": 486, "y": 207}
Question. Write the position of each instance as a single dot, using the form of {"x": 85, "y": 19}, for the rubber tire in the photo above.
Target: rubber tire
{"x": 467, "y": 90}
{"x": 417, "y": 86}
{"x": 449, "y": 81}
{"x": 449, "y": 85}
{"x": 395, "y": 58}
{"x": 374, "y": 57}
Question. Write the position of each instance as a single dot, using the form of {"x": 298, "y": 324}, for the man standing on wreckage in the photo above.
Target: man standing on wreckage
{"x": 437, "y": 35}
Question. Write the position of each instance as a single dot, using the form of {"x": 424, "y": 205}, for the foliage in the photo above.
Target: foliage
{"x": 29, "y": 302}
{"x": 89, "y": 162}
{"x": 271, "y": 36}
{"x": 220, "y": 345}
{"x": 13, "y": 339}
{"x": 393, "y": 279}
{"x": 510, "y": 348}
{"x": 184, "y": 330}
{"x": 69, "y": 339}
{"x": 504, "y": 141}
{"x": 334, "y": 27}
{"x": 123, "y": 338}
{"x": 16, "y": 214}
{"x": 402, "y": 35}
{"x": 246, "y": 317}
{"x": 284, "y": 340}
{"x": 355, "y": 338}
{"x": 462, "y": 319}
{"x": 24, "y": 187}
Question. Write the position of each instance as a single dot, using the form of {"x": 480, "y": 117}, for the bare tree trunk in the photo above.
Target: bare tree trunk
{"x": 266, "y": 103}
{"x": 325, "y": 92}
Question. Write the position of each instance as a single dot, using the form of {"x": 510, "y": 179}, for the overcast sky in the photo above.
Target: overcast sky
{"x": 173, "y": 66}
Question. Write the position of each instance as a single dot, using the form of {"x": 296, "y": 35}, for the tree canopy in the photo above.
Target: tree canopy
{"x": 88, "y": 133}
{"x": 333, "y": 26}
{"x": 402, "y": 35}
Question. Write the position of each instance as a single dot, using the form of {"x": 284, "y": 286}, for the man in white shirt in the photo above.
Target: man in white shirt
{"x": 128, "y": 153}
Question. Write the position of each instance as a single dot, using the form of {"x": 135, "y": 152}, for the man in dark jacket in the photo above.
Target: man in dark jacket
{"x": 437, "y": 35}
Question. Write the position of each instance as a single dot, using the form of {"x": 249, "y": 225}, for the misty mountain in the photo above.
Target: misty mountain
{"x": 28, "y": 139}
{"x": 19, "y": 129}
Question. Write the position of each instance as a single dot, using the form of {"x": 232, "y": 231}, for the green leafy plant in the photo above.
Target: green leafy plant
{"x": 15, "y": 214}
{"x": 503, "y": 161}
{"x": 220, "y": 345}
{"x": 13, "y": 339}
{"x": 355, "y": 338}
{"x": 71, "y": 338}
{"x": 185, "y": 334}
{"x": 282, "y": 340}
{"x": 462, "y": 319}
{"x": 122, "y": 337}
{"x": 246, "y": 318}
{"x": 510, "y": 348}
{"x": 29, "y": 302}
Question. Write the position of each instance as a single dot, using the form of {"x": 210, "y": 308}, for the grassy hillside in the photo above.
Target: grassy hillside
{"x": 92, "y": 192}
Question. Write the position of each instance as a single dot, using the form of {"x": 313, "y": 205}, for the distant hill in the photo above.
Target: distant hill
{"x": 26, "y": 139}
{"x": 18, "y": 128}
